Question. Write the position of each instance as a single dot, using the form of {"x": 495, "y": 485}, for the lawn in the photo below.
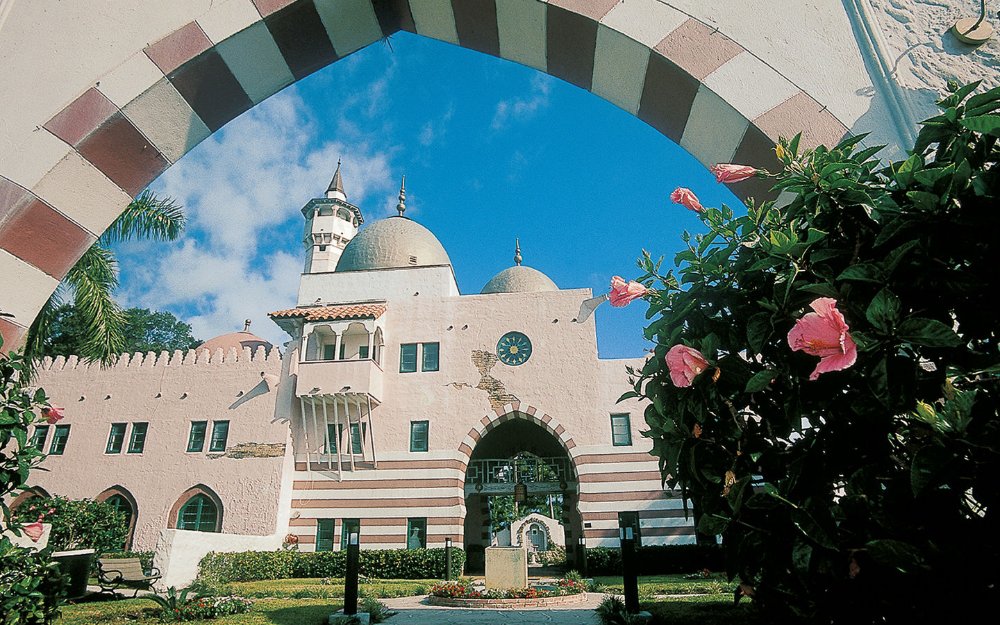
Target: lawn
{"x": 651, "y": 585}
{"x": 143, "y": 612}
{"x": 714, "y": 609}
{"x": 313, "y": 587}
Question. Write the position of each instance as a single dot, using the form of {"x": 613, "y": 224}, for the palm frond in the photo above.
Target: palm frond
{"x": 40, "y": 330}
{"x": 146, "y": 217}
{"x": 93, "y": 280}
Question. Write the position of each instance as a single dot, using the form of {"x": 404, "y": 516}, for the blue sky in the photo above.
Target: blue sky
{"x": 491, "y": 151}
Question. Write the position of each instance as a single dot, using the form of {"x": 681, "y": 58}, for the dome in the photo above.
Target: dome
{"x": 235, "y": 340}
{"x": 519, "y": 279}
{"x": 391, "y": 243}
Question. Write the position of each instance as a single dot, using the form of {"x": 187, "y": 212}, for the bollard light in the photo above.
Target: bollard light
{"x": 353, "y": 538}
{"x": 447, "y": 543}
{"x": 447, "y": 558}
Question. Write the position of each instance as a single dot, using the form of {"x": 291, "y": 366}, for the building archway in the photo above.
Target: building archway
{"x": 513, "y": 449}
{"x": 120, "y": 122}
{"x": 27, "y": 495}
{"x": 198, "y": 508}
{"x": 122, "y": 500}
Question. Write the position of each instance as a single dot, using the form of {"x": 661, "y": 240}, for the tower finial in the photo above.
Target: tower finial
{"x": 246, "y": 325}
{"x": 401, "y": 207}
{"x": 517, "y": 252}
{"x": 337, "y": 184}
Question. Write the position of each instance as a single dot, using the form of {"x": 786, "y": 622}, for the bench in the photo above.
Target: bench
{"x": 114, "y": 573}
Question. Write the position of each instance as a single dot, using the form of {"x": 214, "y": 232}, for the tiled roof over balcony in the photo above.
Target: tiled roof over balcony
{"x": 332, "y": 313}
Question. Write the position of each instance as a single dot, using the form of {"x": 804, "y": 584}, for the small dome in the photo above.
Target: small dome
{"x": 519, "y": 279}
{"x": 392, "y": 243}
{"x": 237, "y": 340}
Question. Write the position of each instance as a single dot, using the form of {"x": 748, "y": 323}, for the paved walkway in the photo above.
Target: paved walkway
{"x": 415, "y": 611}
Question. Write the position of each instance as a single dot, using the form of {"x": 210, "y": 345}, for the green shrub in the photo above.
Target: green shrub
{"x": 222, "y": 568}
{"x": 658, "y": 559}
{"x": 77, "y": 523}
{"x": 30, "y": 585}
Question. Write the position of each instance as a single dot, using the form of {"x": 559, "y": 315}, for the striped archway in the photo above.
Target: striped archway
{"x": 81, "y": 160}
{"x": 514, "y": 411}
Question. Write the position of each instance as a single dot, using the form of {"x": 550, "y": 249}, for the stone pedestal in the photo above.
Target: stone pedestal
{"x": 506, "y": 567}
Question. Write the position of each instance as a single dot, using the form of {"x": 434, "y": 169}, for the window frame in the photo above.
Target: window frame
{"x": 332, "y": 439}
{"x": 222, "y": 424}
{"x": 345, "y": 531}
{"x": 60, "y": 437}
{"x": 116, "y": 439}
{"x": 140, "y": 429}
{"x": 200, "y": 498}
{"x": 37, "y": 443}
{"x": 427, "y": 436}
{"x": 437, "y": 356}
{"x": 321, "y": 540}
{"x": 191, "y": 437}
{"x": 416, "y": 522}
{"x": 628, "y": 429}
{"x": 402, "y": 362}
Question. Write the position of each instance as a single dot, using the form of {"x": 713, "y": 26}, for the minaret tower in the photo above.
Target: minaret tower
{"x": 331, "y": 222}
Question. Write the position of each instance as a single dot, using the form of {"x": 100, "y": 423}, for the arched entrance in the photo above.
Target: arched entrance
{"x": 122, "y": 501}
{"x": 518, "y": 453}
{"x": 113, "y": 111}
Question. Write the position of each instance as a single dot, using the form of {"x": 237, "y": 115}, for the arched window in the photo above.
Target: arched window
{"x": 198, "y": 514}
{"x": 122, "y": 501}
{"x": 344, "y": 214}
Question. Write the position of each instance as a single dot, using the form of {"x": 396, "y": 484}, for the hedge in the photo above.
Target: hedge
{"x": 658, "y": 559}
{"x": 252, "y": 566}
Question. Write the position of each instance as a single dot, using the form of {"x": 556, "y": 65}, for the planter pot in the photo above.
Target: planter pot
{"x": 76, "y": 565}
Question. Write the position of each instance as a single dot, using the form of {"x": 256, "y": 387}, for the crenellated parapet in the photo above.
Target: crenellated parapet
{"x": 177, "y": 358}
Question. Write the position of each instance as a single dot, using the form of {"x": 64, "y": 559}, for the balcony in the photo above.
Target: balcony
{"x": 340, "y": 378}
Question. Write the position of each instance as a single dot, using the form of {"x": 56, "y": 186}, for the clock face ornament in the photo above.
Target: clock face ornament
{"x": 513, "y": 349}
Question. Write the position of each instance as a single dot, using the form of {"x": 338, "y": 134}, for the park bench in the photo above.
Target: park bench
{"x": 114, "y": 573}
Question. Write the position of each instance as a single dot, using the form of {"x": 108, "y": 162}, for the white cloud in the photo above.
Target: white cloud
{"x": 520, "y": 109}
{"x": 242, "y": 190}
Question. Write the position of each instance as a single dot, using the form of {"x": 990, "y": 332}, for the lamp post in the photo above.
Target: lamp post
{"x": 351, "y": 579}
{"x": 447, "y": 558}
{"x": 581, "y": 556}
{"x": 971, "y": 30}
{"x": 630, "y": 580}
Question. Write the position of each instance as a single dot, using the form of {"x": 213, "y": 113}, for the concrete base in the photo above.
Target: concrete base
{"x": 339, "y": 618}
{"x": 506, "y": 567}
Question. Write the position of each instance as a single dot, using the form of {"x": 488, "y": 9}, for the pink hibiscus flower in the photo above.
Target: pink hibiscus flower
{"x": 685, "y": 363}
{"x": 729, "y": 173}
{"x": 52, "y": 414}
{"x": 823, "y": 333}
{"x": 622, "y": 293}
{"x": 686, "y": 198}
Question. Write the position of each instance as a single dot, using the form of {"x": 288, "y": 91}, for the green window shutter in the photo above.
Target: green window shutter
{"x": 328, "y": 351}
{"x": 356, "y": 438}
{"x": 138, "y": 440}
{"x": 407, "y": 357}
{"x": 220, "y": 436}
{"x": 324, "y": 534}
{"x": 348, "y": 527}
{"x": 418, "y": 435}
{"x": 363, "y": 352}
{"x": 120, "y": 504}
{"x": 621, "y": 430}
{"x": 116, "y": 438}
{"x": 430, "y": 354}
{"x": 416, "y": 533}
{"x": 39, "y": 436}
{"x": 59, "y": 439}
{"x": 198, "y": 514}
{"x": 196, "y": 439}
{"x": 331, "y": 438}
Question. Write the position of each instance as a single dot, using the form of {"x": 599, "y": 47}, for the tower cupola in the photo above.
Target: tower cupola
{"x": 331, "y": 223}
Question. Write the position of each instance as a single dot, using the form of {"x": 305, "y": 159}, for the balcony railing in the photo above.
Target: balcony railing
{"x": 339, "y": 377}
{"x": 529, "y": 470}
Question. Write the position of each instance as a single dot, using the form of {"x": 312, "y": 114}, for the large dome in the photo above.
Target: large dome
{"x": 519, "y": 279}
{"x": 235, "y": 340}
{"x": 392, "y": 243}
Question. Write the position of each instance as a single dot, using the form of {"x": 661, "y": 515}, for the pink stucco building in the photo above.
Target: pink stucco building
{"x": 398, "y": 406}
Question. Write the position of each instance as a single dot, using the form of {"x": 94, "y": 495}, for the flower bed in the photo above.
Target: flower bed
{"x": 465, "y": 593}
{"x": 205, "y": 608}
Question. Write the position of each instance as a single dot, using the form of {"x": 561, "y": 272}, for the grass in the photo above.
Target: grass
{"x": 143, "y": 612}
{"x": 314, "y": 588}
{"x": 714, "y": 609}
{"x": 651, "y": 585}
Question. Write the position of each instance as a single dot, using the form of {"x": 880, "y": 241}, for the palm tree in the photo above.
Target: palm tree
{"x": 93, "y": 279}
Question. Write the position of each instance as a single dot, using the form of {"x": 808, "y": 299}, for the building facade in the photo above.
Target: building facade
{"x": 398, "y": 408}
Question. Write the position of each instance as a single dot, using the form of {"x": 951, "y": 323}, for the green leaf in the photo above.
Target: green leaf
{"x": 927, "y": 332}
{"x": 811, "y": 529}
{"x": 928, "y": 465}
{"x": 758, "y": 330}
{"x": 896, "y": 554}
{"x": 712, "y": 524}
{"x": 824, "y": 288}
{"x": 883, "y": 311}
{"x": 924, "y": 200}
{"x": 627, "y": 395}
{"x": 862, "y": 272}
{"x": 986, "y": 124}
{"x": 759, "y": 381}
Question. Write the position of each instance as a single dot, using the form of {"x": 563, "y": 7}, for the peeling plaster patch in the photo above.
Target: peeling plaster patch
{"x": 252, "y": 450}
{"x": 496, "y": 392}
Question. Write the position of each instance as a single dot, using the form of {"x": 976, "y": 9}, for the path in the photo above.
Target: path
{"x": 414, "y": 611}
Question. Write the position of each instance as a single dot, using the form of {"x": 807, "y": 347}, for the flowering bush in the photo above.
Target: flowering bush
{"x": 824, "y": 384}
{"x": 177, "y": 607}
{"x": 463, "y": 589}
{"x": 78, "y": 523}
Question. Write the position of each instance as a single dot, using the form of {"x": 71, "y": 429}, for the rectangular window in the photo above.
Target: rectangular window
{"x": 630, "y": 519}
{"x": 39, "y": 436}
{"x": 407, "y": 357}
{"x": 196, "y": 439}
{"x": 348, "y": 527}
{"x": 324, "y": 534}
{"x": 621, "y": 430}
{"x": 331, "y": 439}
{"x": 430, "y": 353}
{"x": 416, "y": 533}
{"x": 138, "y": 440}
{"x": 328, "y": 351}
{"x": 343, "y": 349}
{"x": 59, "y": 438}
{"x": 356, "y": 438}
{"x": 220, "y": 435}
{"x": 363, "y": 352}
{"x": 116, "y": 438}
{"x": 418, "y": 435}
